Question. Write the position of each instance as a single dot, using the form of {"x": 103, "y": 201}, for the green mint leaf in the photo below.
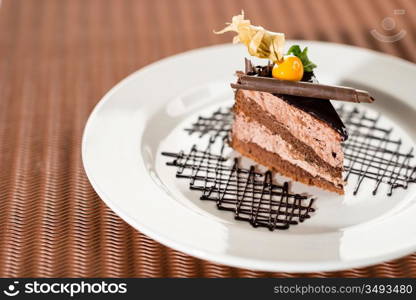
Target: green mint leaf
{"x": 295, "y": 50}
{"x": 308, "y": 65}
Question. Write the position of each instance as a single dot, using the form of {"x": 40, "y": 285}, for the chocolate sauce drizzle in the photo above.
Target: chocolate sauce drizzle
{"x": 374, "y": 153}
{"x": 216, "y": 125}
{"x": 251, "y": 195}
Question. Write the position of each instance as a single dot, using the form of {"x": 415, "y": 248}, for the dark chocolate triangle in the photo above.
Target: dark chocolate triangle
{"x": 319, "y": 108}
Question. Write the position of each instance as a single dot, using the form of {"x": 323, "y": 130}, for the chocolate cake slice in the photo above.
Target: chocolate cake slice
{"x": 299, "y": 137}
{"x": 283, "y": 117}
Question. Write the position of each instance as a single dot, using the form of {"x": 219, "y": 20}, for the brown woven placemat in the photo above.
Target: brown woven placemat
{"x": 58, "y": 58}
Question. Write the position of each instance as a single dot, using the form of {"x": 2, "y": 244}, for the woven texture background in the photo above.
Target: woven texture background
{"x": 58, "y": 58}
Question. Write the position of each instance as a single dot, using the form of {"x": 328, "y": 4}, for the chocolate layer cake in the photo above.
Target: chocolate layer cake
{"x": 299, "y": 137}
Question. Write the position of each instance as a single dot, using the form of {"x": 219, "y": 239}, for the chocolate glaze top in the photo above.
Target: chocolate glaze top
{"x": 319, "y": 108}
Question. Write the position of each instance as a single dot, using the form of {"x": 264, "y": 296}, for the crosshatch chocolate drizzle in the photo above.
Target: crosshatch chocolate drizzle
{"x": 251, "y": 195}
{"x": 372, "y": 153}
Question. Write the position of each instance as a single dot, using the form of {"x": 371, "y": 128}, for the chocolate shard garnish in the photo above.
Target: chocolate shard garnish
{"x": 302, "y": 89}
{"x": 249, "y": 69}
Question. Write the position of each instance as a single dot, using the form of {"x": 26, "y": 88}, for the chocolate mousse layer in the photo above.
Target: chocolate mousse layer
{"x": 246, "y": 105}
{"x": 284, "y": 138}
{"x": 276, "y": 163}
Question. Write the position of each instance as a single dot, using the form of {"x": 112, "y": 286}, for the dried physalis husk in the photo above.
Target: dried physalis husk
{"x": 259, "y": 42}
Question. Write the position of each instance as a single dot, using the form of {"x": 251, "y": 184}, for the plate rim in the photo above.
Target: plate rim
{"x": 225, "y": 258}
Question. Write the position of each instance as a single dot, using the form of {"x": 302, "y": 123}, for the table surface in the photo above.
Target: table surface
{"x": 58, "y": 58}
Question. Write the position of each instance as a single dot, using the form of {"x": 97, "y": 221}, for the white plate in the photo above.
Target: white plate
{"x": 146, "y": 113}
